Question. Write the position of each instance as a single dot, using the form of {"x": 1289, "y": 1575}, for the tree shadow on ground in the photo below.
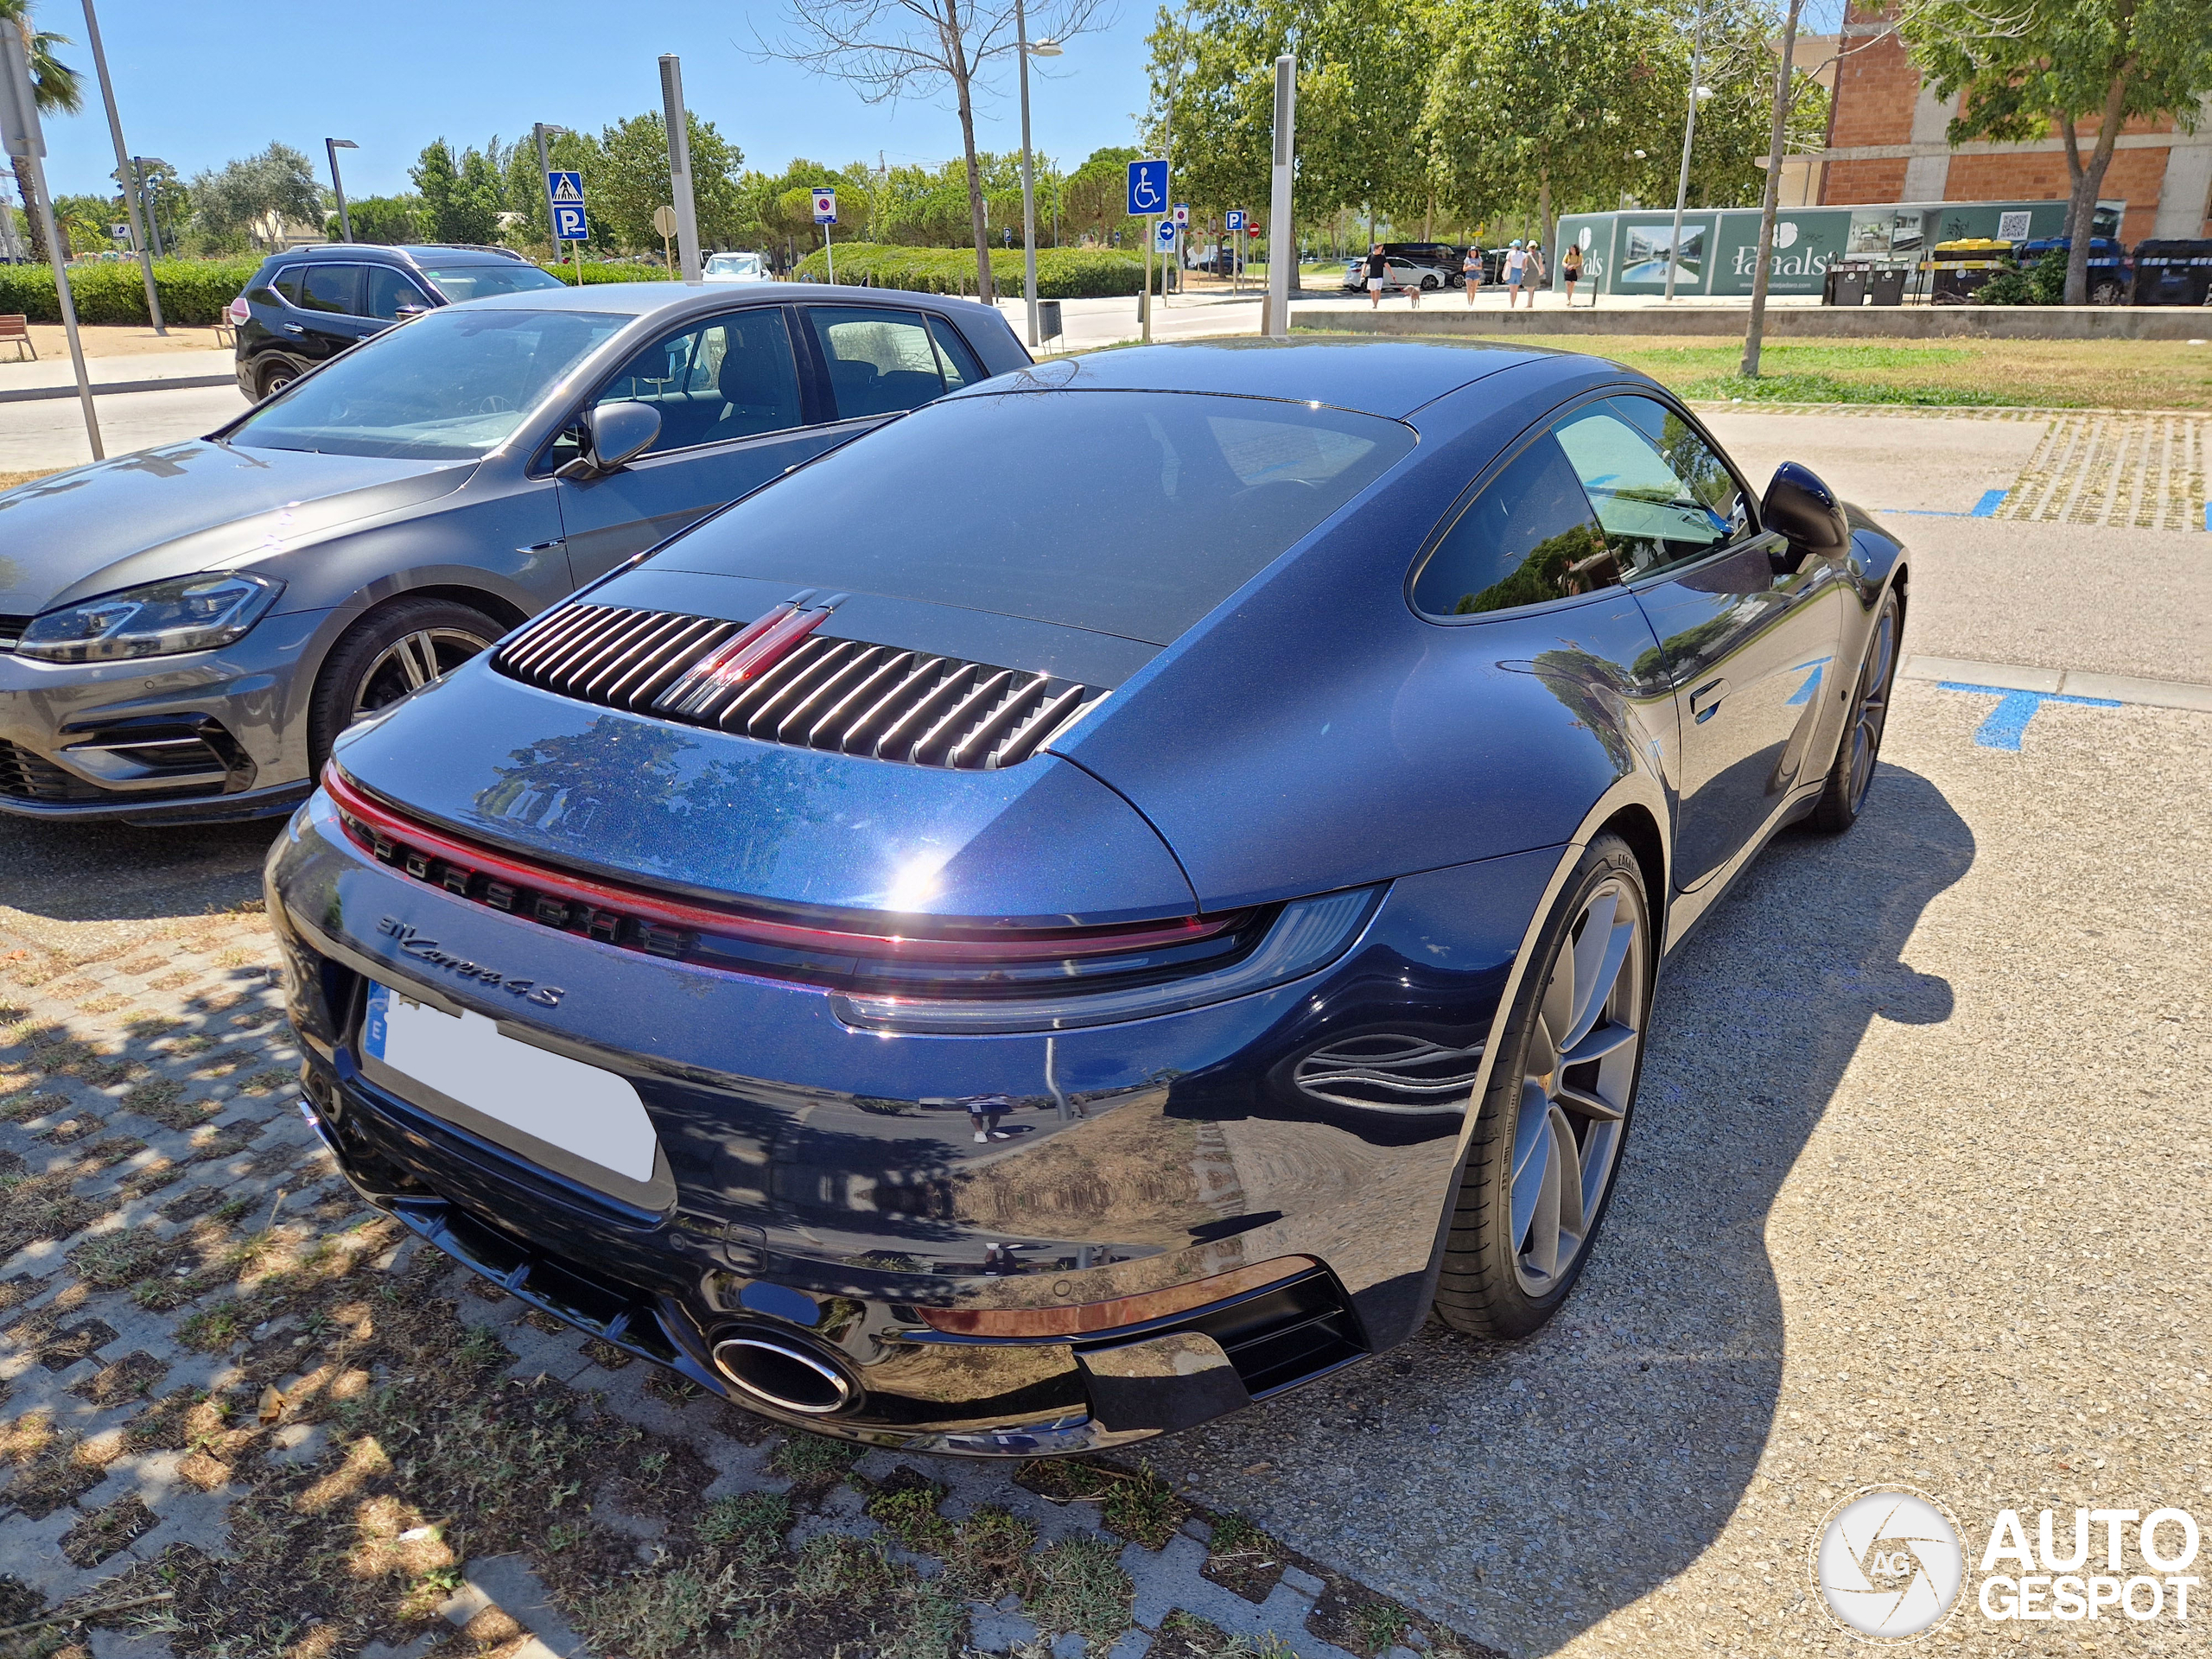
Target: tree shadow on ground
{"x": 66, "y": 873}
{"x": 1523, "y": 1492}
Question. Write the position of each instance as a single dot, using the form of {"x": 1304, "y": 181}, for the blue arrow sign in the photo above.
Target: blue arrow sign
{"x": 1147, "y": 187}
{"x": 1163, "y": 234}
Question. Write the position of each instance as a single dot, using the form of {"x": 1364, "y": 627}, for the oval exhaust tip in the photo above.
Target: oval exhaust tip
{"x": 782, "y": 1376}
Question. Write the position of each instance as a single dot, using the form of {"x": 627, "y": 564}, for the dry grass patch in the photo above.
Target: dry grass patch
{"x": 1134, "y": 1502}
{"x": 99, "y": 1535}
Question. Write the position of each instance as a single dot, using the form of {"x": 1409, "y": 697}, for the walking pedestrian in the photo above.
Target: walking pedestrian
{"x": 1570, "y": 271}
{"x": 1516, "y": 272}
{"x": 1379, "y": 272}
{"x": 1471, "y": 275}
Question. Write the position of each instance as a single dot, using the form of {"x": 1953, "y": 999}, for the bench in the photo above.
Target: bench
{"x": 16, "y": 330}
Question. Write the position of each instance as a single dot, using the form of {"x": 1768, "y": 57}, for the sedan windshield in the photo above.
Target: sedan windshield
{"x": 1128, "y": 512}
{"x": 459, "y": 283}
{"x": 448, "y": 387}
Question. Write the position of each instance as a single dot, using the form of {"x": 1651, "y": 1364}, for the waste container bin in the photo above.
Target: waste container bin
{"x": 1961, "y": 268}
{"x": 1887, "y": 286}
{"x": 1844, "y": 284}
{"x": 2109, "y": 271}
{"x": 1048, "y": 318}
{"x": 2173, "y": 271}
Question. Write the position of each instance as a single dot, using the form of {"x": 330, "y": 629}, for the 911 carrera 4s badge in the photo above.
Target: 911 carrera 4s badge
{"x": 415, "y": 948}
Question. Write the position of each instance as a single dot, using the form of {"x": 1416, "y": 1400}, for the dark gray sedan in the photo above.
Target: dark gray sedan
{"x": 184, "y": 630}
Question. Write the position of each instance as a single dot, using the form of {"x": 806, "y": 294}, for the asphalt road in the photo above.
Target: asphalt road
{"x": 48, "y": 434}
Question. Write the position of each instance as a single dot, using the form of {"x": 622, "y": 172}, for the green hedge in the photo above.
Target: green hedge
{"x": 113, "y": 292}
{"x": 624, "y": 273}
{"x": 1062, "y": 273}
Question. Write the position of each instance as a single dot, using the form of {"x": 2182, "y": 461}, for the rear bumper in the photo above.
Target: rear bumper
{"x": 827, "y": 1192}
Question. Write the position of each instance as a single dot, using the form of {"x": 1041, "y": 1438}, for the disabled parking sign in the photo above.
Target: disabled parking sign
{"x": 1147, "y": 187}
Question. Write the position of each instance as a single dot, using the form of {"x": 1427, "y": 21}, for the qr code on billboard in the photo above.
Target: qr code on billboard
{"x": 2012, "y": 228}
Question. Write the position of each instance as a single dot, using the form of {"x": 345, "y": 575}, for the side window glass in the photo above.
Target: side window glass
{"x": 880, "y": 362}
{"x": 1660, "y": 491}
{"x": 288, "y": 283}
{"x": 954, "y": 361}
{"x": 331, "y": 287}
{"x": 1528, "y": 537}
{"x": 392, "y": 295}
{"x": 735, "y": 378}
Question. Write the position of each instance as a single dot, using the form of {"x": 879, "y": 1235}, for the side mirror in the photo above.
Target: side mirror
{"x": 615, "y": 435}
{"x": 1804, "y": 509}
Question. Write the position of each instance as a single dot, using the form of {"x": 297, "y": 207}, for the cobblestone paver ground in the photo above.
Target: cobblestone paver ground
{"x": 237, "y": 1400}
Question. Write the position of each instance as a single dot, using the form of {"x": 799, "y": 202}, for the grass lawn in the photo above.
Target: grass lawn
{"x": 8, "y": 480}
{"x": 2049, "y": 373}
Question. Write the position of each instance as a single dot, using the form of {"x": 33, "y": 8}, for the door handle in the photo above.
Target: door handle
{"x": 293, "y": 328}
{"x": 1705, "y": 701}
{"x": 544, "y": 547}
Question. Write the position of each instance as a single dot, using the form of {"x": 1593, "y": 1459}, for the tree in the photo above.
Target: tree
{"x": 255, "y": 196}
{"x": 462, "y": 196}
{"x": 632, "y": 180}
{"x": 54, "y": 89}
{"x": 389, "y": 220}
{"x": 923, "y": 48}
{"x": 2024, "y": 65}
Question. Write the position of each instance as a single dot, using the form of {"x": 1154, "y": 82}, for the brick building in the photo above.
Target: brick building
{"x": 1886, "y": 143}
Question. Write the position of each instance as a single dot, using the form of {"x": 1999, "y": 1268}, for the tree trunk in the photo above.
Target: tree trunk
{"x": 34, "y": 234}
{"x": 1755, "y": 335}
{"x": 956, "y": 54}
{"x": 2088, "y": 178}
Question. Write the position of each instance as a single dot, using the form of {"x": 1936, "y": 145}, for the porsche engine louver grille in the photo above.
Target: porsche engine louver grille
{"x": 778, "y": 679}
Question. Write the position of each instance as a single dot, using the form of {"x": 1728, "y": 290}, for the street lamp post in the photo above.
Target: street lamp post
{"x": 123, "y": 166}
{"x": 1042, "y": 49}
{"x": 331, "y": 147}
{"x": 541, "y": 131}
{"x": 1689, "y": 132}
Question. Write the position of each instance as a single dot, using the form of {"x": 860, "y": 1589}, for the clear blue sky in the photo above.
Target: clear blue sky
{"x": 198, "y": 85}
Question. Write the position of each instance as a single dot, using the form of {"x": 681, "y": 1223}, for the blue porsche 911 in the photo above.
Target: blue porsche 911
{"x": 1102, "y": 901}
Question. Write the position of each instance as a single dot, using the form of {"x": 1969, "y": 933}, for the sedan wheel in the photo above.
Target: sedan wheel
{"x": 392, "y": 650}
{"x": 407, "y": 664}
{"x": 1861, "y": 745}
{"x": 1548, "y": 1142}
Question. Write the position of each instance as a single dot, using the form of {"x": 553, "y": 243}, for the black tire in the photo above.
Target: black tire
{"x": 2106, "y": 294}
{"x": 1860, "y": 746}
{"x": 277, "y": 376}
{"x": 385, "y": 656}
{"x": 1429, "y": 283}
{"x": 1484, "y": 1288}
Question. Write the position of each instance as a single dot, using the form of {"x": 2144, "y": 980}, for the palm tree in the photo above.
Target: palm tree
{"x": 56, "y": 88}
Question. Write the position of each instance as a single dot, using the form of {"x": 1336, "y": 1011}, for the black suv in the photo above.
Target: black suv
{"x": 312, "y": 303}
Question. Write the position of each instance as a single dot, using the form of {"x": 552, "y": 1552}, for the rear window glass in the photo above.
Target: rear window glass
{"x": 1125, "y": 512}
{"x": 459, "y": 283}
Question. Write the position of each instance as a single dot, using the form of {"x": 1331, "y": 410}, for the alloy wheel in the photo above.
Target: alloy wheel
{"x": 1575, "y": 1087}
{"x": 411, "y": 661}
{"x": 1871, "y": 708}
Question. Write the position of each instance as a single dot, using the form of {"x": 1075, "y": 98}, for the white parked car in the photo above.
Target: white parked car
{"x": 735, "y": 268}
{"x": 1404, "y": 273}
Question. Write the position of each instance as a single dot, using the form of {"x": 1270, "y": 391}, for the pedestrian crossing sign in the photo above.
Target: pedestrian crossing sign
{"x": 565, "y": 189}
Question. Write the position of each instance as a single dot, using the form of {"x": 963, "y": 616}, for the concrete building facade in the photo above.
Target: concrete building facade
{"x": 1887, "y": 142}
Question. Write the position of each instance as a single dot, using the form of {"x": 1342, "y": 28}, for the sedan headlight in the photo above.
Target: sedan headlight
{"x": 163, "y": 618}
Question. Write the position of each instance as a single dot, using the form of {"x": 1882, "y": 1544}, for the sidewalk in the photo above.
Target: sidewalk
{"x": 52, "y": 375}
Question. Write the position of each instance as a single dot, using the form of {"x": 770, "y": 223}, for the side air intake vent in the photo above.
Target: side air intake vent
{"x": 778, "y": 679}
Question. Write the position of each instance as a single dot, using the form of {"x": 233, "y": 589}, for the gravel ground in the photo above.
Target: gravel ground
{"x": 1908, "y": 1202}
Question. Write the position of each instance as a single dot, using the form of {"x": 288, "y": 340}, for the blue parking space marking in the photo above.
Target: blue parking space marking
{"x": 2008, "y": 721}
{"x": 1987, "y": 507}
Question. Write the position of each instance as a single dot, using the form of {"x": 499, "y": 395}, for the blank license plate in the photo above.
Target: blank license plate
{"x": 584, "y": 1111}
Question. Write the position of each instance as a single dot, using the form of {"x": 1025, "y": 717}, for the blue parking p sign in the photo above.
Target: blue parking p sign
{"x": 564, "y": 199}
{"x": 569, "y": 224}
{"x": 1235, "y": 217}
{"x": 1147, "y": 187}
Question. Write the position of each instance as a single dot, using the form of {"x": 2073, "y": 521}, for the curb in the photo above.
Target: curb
{"x": 109, "y": 388}
{"x": 2061, "y": 682}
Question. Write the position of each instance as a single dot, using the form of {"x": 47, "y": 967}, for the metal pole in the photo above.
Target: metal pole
{"x": 123, "y": 167}
{"x": 337, "y": 186}
{"x": 1144, "y": 305}
{"x": 546, "y": 166}
{"x": 1280, "y": 234}
{"x": 1689, "y": 131}
{"x": 829, "y": 256}
{"x": 679, "y": 164}
{"x": 19, "y": 129}
{"x": 1029, "y": 181}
